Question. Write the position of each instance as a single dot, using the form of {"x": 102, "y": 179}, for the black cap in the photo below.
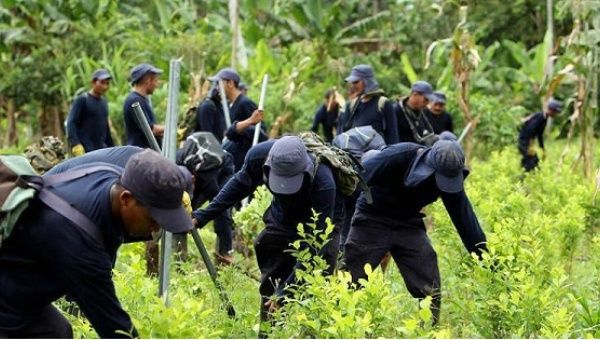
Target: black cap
{"x": 141, "y": 70}
{"x": 226, "y": 74}
{"x": 101, "y": 74}
{"x": 158, "y": 184}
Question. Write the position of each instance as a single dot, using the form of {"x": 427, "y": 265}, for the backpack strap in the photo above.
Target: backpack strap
{"x": 64, "y": 208}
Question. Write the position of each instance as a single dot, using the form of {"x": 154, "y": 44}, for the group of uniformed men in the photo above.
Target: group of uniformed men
{"x": 49, "y": 256}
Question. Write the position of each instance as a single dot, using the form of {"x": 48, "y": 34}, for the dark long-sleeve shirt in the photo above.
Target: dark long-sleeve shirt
{"x": 418, "y": 119}
{"x": 47, "y": 256}
{"x": 532, "y": 128}
{"x": 326, "y": 119}
{"x": 287, "y": 210}
{"x": 134, "y": 133}
{"x": 238, "y": 144}
{"x": 393, "y": 200}
{"x": 368, "y": 113}
{"x": 440, "y": 122}
{"x": 210, "y": 118}
{"x": 87, "y": 123}
{"x": 118, "y": 155}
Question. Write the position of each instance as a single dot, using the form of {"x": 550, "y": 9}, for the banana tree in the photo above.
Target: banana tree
{"x": 582, "y": 52}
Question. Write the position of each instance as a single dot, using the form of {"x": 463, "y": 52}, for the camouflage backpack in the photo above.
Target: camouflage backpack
{"x": 45, "y": 154}
{"x": 346, "y": 169}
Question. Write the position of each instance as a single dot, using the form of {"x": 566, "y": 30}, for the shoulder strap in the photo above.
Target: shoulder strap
{"x": 62, "y": 207}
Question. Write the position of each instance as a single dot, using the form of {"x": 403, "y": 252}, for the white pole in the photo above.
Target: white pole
{"x": 464, "y": 132}
{"x": 224, "y": 104}
{"x": 261, "y": 106}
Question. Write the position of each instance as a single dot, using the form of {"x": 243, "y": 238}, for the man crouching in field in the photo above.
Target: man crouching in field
{"x": 48, "y": 255}
{"x": 404, "y": 178}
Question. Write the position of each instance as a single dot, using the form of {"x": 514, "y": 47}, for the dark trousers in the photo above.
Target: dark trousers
{"x": 349, "y": 207}
{"x": 207, "y": 186}
{"x": 370, "y": 238}
{"x": 529, "y": 162}
{"x": 50, "y": 323}
{"x": 276, "y": 263}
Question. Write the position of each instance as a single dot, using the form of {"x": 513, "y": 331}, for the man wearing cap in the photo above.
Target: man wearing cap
{"x": 404, "y": 178}
{"x": 48, "y": 255}
{"x": 413, "y": 125}
{"x": 369, "y": 106}
{"x": 242, "y": 110}
{"x": 327, "y": 116}
{"x": 533, "y": 127}
{"x": 210, "y": 116}
{"x": 88, "y": 128}
{"x": 297, "y": 190}
{"x": 436, "y": 115}
{"x": 144, "y": 79}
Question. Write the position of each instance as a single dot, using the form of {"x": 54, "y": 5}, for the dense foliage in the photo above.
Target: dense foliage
{"x": 540, "y": 278}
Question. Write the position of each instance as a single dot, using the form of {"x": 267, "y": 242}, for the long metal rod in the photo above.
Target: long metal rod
{"x": 169, "y": 149}
{"x": 224, "y": 104}
{"x": 464, "y": 132}
{"x": 261, "y": 106}
{"x": 143, "y": 124}
{"x": 212, "y": 271}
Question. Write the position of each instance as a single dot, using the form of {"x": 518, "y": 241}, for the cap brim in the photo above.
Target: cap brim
{"x": 352, "y": 79}
{"x": 419, "y": 170}
{"x": 285, "y": 185}
{"x": 430, "y": 96}
{"x": 155, "y": 70}
{"x": 104, "y": 77}
{"x": 172, "y": 220}
{"x": 450, "y": 184}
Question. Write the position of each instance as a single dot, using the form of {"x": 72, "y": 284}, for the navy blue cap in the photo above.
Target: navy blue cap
{"x": 555, "y": 105}
{"x": 141, "y": 70}
{"x": 287, "y": 162}
{"x": 439, "y": 97}
{"x": 446, "y": 159}
{"x": 423, "y": 88}
{"x": 158, "y": 184}
{"x": 242, "y": 86}
{"x": 360, "y": 72}
{"x": 226, "y": 74}
{"x": 101, "y": 74}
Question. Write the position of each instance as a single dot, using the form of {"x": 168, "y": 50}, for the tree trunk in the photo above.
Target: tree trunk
{"x": 11, "y": 137}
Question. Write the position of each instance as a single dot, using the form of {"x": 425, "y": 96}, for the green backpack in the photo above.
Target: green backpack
{"x": 346, "y": 169}
{"x": 19, "y": 184}
{"x": 15, "y": 193}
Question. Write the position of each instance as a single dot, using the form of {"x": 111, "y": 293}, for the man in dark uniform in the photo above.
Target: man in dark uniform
{"x": 369, "y": 106}
{"x": 288, "y": 170}
{"x": 532, "y": 128}
{"x": 87, "y": 124}
{"x": 327, "y": 116}
{"x": 145, "y": 79}
{"x": 241, "y": 109}
{"x": 436, "y": 114}
{"x": 404, "y": 178}
{"x": 413, "y": 125}
{"x": 48, "y": 256}
{"x": 209, "y": 114}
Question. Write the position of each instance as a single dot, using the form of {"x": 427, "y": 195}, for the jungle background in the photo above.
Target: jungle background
{"x": 497, "y": 62}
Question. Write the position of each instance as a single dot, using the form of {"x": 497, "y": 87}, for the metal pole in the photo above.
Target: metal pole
{"x": 142, "y": 122}
{"x": 169, "y": 150}
{"x": 224, "y": 104}
{"x": 212, "y": 271}
{"x": 261, "y": 106}
{"x": 464, "y": 132}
